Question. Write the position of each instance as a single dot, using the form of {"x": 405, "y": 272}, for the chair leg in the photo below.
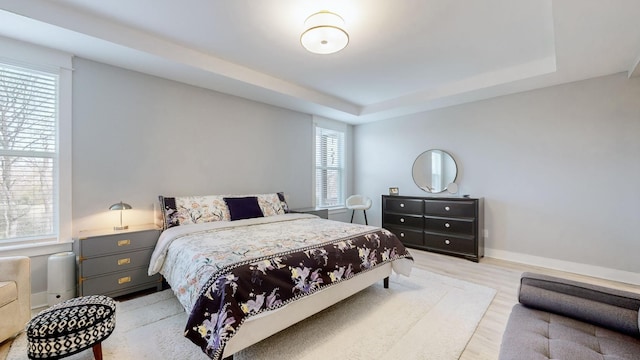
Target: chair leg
{"x": 352, "y": 212}
{"x": 365, "y": 217}
{"x": 97, "y": 351}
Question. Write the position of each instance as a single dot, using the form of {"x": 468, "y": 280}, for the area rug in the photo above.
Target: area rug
{"x": 425, "y": 316}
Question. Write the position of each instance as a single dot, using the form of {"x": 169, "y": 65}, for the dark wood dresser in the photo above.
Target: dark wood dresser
{"x": 453, "y": 226}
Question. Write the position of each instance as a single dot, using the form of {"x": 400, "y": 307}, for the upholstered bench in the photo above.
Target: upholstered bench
{"x": 70, "y": 327}
{"x": 562, "y": 319}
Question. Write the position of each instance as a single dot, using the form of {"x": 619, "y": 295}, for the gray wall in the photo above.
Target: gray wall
{"x": 558, "y": 167}
{"x": 137, "y": 136}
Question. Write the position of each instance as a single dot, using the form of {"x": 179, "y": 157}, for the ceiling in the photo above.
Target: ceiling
{"x": 403, "y": 56}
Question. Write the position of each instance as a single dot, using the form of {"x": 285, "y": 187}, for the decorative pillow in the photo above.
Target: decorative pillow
{"x": 243, "y": 207}
{"x": 169, "y": 211}
{"x": 185, "y": 210}
{"x": 283, "y": 202}
{"x": 270, "y": 204}
{"x": 193, "y": 210}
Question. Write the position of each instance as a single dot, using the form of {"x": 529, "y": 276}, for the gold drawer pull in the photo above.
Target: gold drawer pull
{"x": 124, "y": 242}
{"x": 125, "y": 261}
{"x": 124, "y": 280}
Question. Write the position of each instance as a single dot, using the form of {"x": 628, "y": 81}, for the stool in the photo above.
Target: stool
{"x": 71, "y": 326}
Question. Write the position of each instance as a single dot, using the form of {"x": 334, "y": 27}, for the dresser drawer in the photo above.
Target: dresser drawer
{"x": 117, "y": 262}
{"x": 449, "y": 226}
{"x": 118, "y": 282}
{"x": 108, "y": 244}
{"x": 449, "y": 243}
{"x": 450, "y": 208}
{"x": 403, "y": 206}
{"x": 407, "y": 236}
{"x": 404, "y": 220}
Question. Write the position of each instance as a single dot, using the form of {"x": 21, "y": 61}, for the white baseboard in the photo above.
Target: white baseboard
{"x": 568, "y": 266}
{"x": 39, "y": 300}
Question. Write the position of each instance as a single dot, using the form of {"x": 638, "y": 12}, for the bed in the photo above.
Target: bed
{"x": 244, "y": 268}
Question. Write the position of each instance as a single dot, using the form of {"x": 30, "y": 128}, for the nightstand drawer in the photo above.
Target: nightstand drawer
{"x": 450, "y": 208}
{"x": 118, "y": 262}
{"x": 116, "y": 243}
{"x": 449, "y": 243}
{"x": 118, "y": 282}
{"x": 403, "y": 206}
{"x": 449, "y": 226}
{"x": 407, "y": 236}
{"x": 403, "y": 220}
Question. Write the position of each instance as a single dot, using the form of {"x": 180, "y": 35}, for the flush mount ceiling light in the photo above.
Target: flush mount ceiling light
{"x": 324, "y": 33}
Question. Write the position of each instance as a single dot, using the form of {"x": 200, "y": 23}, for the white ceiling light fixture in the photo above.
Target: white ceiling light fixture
{"x": 324, "y": 33}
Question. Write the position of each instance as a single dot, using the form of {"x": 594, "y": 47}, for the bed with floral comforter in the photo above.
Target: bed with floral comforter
{"x": 228, "y": 271}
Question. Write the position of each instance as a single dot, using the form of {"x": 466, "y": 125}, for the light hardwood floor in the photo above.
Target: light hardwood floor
{"x": 501, "y": 275}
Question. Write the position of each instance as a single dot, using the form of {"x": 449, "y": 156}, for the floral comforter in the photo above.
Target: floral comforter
{"x": 226, "y": 272}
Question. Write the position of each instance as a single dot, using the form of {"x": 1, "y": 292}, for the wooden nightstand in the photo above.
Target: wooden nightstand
{"x": 115, "y": 263}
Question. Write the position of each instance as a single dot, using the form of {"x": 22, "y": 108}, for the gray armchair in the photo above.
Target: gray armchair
{"x": 15, "y": 295}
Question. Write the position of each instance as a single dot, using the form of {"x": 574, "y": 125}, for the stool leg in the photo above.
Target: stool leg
{"x": 97, "y": 351}
{"x": 352, "y": 212}
{"x": 365, "y": 217}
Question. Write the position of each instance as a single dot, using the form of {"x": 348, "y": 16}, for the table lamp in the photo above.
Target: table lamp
{"x": 120, "y": 206}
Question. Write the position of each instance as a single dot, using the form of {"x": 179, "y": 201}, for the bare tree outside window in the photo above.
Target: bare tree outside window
{"x": 28, "y": 116}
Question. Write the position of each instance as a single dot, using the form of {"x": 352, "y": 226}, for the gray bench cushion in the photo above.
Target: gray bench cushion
{"x": 539, "y": 335}
{"x": 613, "y": 309}
{"x": 562, "y": 319}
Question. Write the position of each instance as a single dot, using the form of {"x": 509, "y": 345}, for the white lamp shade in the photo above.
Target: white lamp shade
{"x": 324, "y": 34}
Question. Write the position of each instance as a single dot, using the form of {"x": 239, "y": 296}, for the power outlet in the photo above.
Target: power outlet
{"x": 486, "y": 233}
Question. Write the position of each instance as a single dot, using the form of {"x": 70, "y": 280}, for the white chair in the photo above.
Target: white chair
{"x": 15, "y": 295}
{"x": 359, "y": 202}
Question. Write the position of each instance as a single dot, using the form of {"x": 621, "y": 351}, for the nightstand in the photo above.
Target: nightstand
{"x": 323, "y": 213}
{"x": 115, "y": 263}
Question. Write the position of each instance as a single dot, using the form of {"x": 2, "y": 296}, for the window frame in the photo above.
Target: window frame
{"x": 40, "y": 59}
{"x": 342, "y": 128}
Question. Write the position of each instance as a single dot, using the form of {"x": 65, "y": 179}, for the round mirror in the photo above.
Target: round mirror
{"x": 433, "y": 170}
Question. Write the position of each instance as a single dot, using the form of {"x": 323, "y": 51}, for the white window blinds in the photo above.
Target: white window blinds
{"x": 28, "y": 153}
{"x": 329, "y": 160}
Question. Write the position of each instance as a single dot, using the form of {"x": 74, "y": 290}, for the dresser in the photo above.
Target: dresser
{"x": 115, "y": 263}
{"x": 452, "y": 226}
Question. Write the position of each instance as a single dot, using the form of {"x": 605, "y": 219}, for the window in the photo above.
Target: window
{"x": 329, "y": 164}
{"x": 29, "y": 151}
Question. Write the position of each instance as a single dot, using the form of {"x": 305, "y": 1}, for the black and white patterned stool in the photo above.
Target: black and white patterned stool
{"x": 71, "y": 326}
